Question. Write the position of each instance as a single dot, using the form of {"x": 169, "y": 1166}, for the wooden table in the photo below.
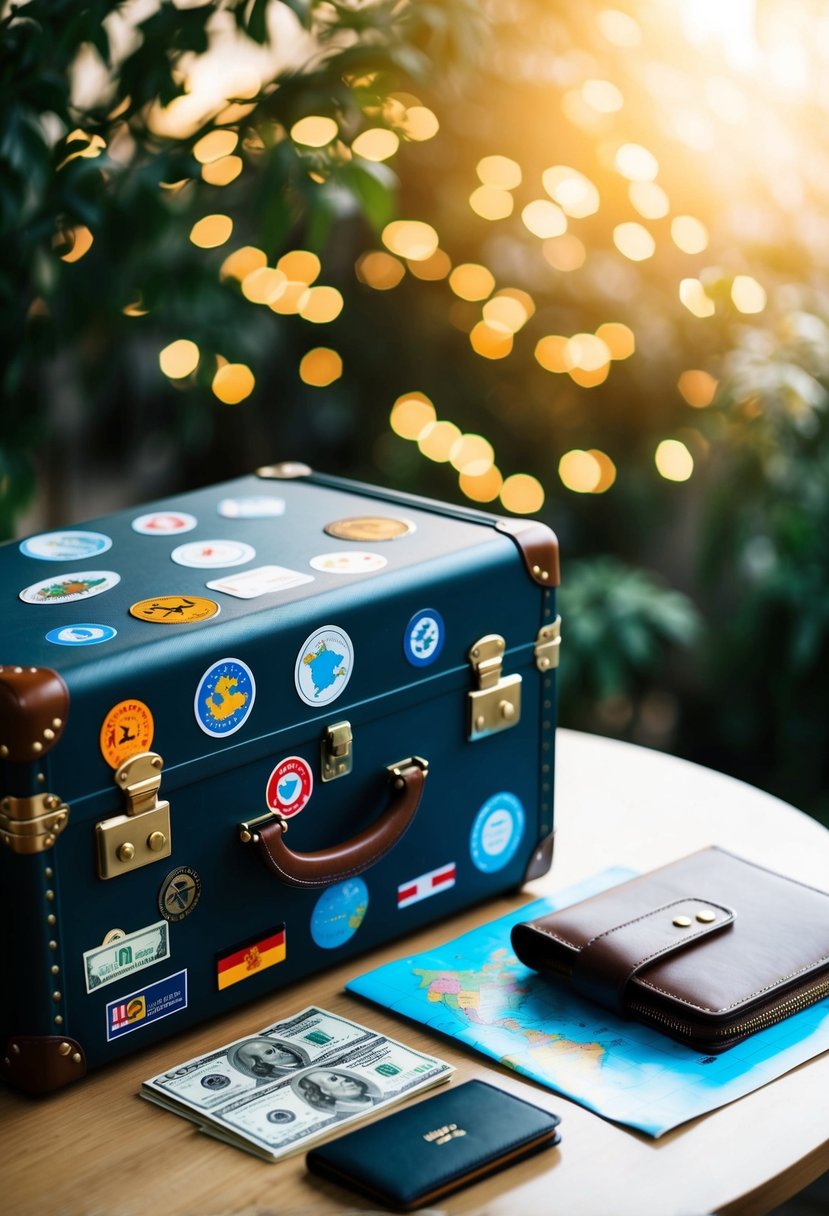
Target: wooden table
{"x": 96, "y": 1148}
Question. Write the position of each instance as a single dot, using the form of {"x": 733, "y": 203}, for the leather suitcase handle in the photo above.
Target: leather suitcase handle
{"x": 353, "y": 856}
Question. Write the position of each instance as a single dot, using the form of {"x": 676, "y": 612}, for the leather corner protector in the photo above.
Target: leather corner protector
{"x": 542, "y": 858}
{"x": 40, "y": 1064}
{"x": 34, "y": 704}
{"x": 539, "y": 547}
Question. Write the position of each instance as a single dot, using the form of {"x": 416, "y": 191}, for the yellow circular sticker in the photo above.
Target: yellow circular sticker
{"x": 127, "y": 730}
{"x": 369, "y": 527}
{"x": 175, "y": 609}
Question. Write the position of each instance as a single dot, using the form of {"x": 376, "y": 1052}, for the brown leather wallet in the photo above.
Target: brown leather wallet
{"x": 708, "y": 949}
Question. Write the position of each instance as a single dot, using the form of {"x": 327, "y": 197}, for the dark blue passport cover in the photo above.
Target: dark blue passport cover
{"x": 436, "y": 1146}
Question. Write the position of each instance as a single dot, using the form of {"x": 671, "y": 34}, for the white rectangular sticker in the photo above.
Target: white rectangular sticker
{"x": 112, "y": 962}
{"x": 425, "y": 885}
{"x": 248, "y": 584}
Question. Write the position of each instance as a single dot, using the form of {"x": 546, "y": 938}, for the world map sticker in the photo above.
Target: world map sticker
{"x": 66, "y": 546}
{"x": 290, "y": 786}
{"x": 338, "y": 913}
{"x": 164, "y": 523}
{"x": 209, "y": 554}
{"x": 81, "y": 635}
{"x": 497, "y": 831}
{"x": 354, "y": 561}
{"x": 323, "y": 665}
{"x": 224, "y": 697}
{"x": 64, "y": 588}
{"x": 423, "y": 637}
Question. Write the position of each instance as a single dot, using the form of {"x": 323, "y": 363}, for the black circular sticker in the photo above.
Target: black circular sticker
{"x": 179, "y": 893}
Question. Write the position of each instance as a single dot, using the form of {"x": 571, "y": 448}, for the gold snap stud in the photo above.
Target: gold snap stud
{"x": 682, "y": 922}
{"x": 707, "y": 917}
{"x": 126, "y": 851}
{"x": 156, "y": 841}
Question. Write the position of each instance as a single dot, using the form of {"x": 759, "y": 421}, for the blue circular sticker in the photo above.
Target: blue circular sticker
{"x": 81, "y": 635}
{"x": 423, "y": 639}
{"x": 65, "y": 546}
{"x": 339, "y": 912}
{"x": 497, "y": 832}
{"x": 224, "y": 697}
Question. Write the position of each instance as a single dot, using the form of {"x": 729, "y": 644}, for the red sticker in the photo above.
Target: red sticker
{"x": 290, "y": 785}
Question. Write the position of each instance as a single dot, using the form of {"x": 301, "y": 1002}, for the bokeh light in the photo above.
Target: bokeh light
{"x": 602, "y": 95}
{"x": 483, "y": 488}
{"x": 673, "y": 460}
{"x": 211, "y": 231}
{"x": 300, "y": 266}
{"x": 565, "y": 253}
{"x": 322, "y": 304}
{"x": 179, "y": 359}
{"x": 693, "y": 295}
{"x": 501, "y": 172}
{"x": 215, "y": 145}
{"x": 649, "y": 199}
{"x": 551, "y": 353}
{"x": 289, "y": 298}
{"x": 315, "y": 131}
{"x": 376, "y": 144}
{"x": 233, "y": 383}
{"x": 575, "y": 194}
{"x": 222, "y": 172}
{"x": 636, "y": 163}
{"x": 634, "y": 241}
{"x": 411, "y": 414}
{"x": 579, "y": 471}
{"x": 618, "y": 338}
{"x": 747, "y": 294}
{"x": 505, "y": 313}
{"x": 489, "y": 342}
{"x": 261, "y": 284}
{"x": 620, "y": 29}
{"x": 472, "y": 454}
{"x": 689, "y": 234}
{"x": 379, "y": 270}
{"x": 242, "y": 262}
{"x": 432, "y": 269}
{"x": 320, "y": 367}
{"x": 522, "y": 494}
{"x": 544, "y": 219}
{"x": 437, "y": 440}
{"x": 410, "y": 239}
{"x": 698, "y": 387}
{"x": 76, "y": 242}
{"x": 419, "y": 123}
{"x": 471, "y": 281}
{"x": 491, "y": 203}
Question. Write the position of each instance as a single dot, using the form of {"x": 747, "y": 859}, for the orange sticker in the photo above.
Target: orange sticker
{"x": 127, "y": 730}
{"x": 175, "y": 609}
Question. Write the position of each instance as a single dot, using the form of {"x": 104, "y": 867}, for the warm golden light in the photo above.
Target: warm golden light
{"x": 692, "y": 295}
{"x": 410, "y": 239}
{"x": 411, "y": 414}
{"x": 289, "y": 298}
{"x": 564, "y": 252}
{"x": 242, "y": 262}
{"x": 505, "y": 313}
{"x": 419, "y": 123}
{"x": 233, "y": 383}
{"x": 589, "y": 378}
{"x": 580, "y": 471}
{"x": 471, "y": 281}
{"x": 689, "y": 234}
{"x": 379, "y": 270}
{"x": 300, "y": 266}
{"x": 747, "y": 294}
{"x": 673, "y": 460}
{"x": 574, "y": 193}
{"x": 587, "y": 352}
{"x": 483, "y": 488}
{"x": 179, "y": 359}
{"x": 607, "y": 470}
{"x": 261, "y": 285}
{"x": 551, "y": 353}
{"x": 320, "y": 367}
{"x": 634, "y": 241}
{"x": 697, "y": 387}
{"x": 636, "y": 163}
{"x": 222, "y": 172}
{"x": 489, "y": 342}
{"x": 437, "y": 440}
{"x": 500, "y": 172}
{"x": 603, "y": 96}
{"x": 211, "y": 231}
{"x": 491, "y": 203}
{"x": 376, "y": 144}
{"x": 649, "y": 199}
{"x": 432, "y": 269}
{"x": 80, "y": 241}
{"x": 618, "y": 28}
{"x": 522, "y": 494}
{"x": 315, "y": 131}
{"x": 214, "y": 146}
{"x": 544, "y": 219}
{"x": 473, "y": 455}
{"x": 618, "y": 339}
{"x": 322, "y": 304}
{"x": 521, "y": 297}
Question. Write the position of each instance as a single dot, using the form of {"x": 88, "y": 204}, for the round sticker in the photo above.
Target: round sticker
{"x": 81, "y": 635}
{"x": 224, "y": 697}
{"x": 324, "y": 665}
{"x": 179, "y": 894}
{"x": 251, "y": 508}
{"x": 65, "y": 588}
{"x": 355, "y": 561}
{"x": 423, "y": 638}
{"x": 497, "y": 832}
{"x": 175, "y": 609}
{"x": 289, "y": 787}
{"x": 127, "y": 730}
{"x": 207, "y": 554}
{"x": 338, "y": 913}
{"x": 369, "y": 527}
{"x": 164, "y": 523}
{"x": 65, "y": 546}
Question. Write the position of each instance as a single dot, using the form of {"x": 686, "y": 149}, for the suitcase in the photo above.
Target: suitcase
{"x": 251, "y": 730}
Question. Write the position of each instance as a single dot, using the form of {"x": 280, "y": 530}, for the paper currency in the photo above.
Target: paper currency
{"x": 277, "y": 1091}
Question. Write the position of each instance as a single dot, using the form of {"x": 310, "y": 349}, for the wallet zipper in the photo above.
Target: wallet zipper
{"x": 799, "y": 1000}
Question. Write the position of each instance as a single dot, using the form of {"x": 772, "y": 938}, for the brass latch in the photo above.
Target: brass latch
{"x": 142, "y": 835}
{"x": 336, "y": 751}
{"x": 496, "y": 703}
{"x": 548, "y": 645}
{"x": 31, "y": 825}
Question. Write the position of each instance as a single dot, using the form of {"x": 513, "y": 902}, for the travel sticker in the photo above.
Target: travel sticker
{"x": 175, "y": 609}
{"x": 250, "y": 958}
{"x": 497, "y": 832}
{"x": 68, "y": 546}
{"x": 263, "y": 580}
{"x": 338, "y": 913}
{"x": 179, "y": 894}
{"x": 424, "y": 885}
{"x": 81, "y": 635}
{"x": 127, "y": 730}
{"x": 224, "y": 697}
{"x": 253, "y": 507}
{"x": 147, "y": 1005}
{"x": 352, "y": 561}
{"x": 289, "y": 787}
{"x": 206, "y": 554}
{"x": 324, "y": 665}
{"x": 369, "y": 527}
{"x": 164, "y": 523}
{"x": 423, "y": 637}
{"x": 64, "y": 588}
{"x": 117, "y": 959}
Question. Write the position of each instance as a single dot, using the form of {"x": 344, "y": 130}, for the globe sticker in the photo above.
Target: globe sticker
{"x": 224, "y": 697}
{"x": 207, "y": 554}
{"x": 253, "y": 507}
{"x": 423, "y": 637}
{"x": 354, "y": 561}
{"x": 164, "y": 523}
{"x": 81, "y": 635}
{"x": 338, "y": 913}
{"x": 496, "y": 832}
{"x": 65, "y": 546}
{"x": 290, "y": 786}
{"x": 323, "y": 665}
{"x": 64, "y": 588}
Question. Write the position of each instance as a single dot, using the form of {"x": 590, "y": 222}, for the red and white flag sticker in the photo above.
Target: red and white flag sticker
{"x": 427, "y": 884}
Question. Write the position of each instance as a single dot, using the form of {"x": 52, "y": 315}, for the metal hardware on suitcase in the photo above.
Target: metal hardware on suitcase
{"x": 250, "y": 731}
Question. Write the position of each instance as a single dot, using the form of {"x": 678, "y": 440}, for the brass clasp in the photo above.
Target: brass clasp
{"x": 32, "y": 825}
{"x": 496, "y": 703}
{"x": 142, "y": 835}
{"x": 336, "y": 751}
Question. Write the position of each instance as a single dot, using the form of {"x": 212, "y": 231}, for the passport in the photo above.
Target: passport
{"x": 436, "y": 1146}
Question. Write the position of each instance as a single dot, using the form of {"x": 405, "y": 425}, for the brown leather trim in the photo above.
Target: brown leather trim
{"x": 34, "y": 703}
{"x": 539, "y": 546}
{"x": 541, "y": 859}
{"x": 40, "y": 1064}
{"x": 353, "y": 856}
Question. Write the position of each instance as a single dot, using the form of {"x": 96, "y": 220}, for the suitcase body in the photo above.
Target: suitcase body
{"x": 250, "y": 730}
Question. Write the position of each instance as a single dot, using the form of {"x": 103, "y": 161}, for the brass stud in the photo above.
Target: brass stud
{"x": 545, "y": 576}
{"x": 50, "y": 895}
{"x": 49, "y": 841}
{"x": 33, "y": 670}
{"x": 18, "y": 670}
{"x": 536, "y": 570}
{"x": 57, "y": 723}
{"x": 49, "y": 734}
{"x": 55, "y": 969}
{"x": 57, "y": 996}
{"x": 48, "y": 872}
{"x": 706, "y": 918}
{"x": 507, "y": 710}
{"x": 16, "y": 1049}
{"x": 125, "y": 852}
{"x": 51, "y": 802}
{"x": 51, "y": 919}
{"x": 59, "y": 1020}
{"x": 37, "y": 746}
{"x": 480, "y": 722}
{"x": 4, "y": 751}
{"x": 682, "y": 922}
{"x": 41, "y": 778}
{"x": 76, "y": 1058}
{"x": 65, "y": 1049}
{"x": 53, "y": 945}
{"x": 156, "y": 841}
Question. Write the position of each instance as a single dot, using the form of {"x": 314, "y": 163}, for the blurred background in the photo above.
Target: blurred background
{"x": 552, "y": 259}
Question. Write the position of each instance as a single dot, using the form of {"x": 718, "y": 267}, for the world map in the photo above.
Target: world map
{"x": 475, "y": 990}
{"x": 325, "y": 667}
{"x": 225, "y": 699}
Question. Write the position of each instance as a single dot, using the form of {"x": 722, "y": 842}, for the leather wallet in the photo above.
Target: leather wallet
{"x": 437, "y": 1146}
{"x": 708, "y": 949}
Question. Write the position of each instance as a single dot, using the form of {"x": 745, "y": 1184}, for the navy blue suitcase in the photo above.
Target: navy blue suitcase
{"x": 250, "y": 730}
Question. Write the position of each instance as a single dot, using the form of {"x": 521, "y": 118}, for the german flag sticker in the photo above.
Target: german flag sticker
{"x": 249, "y": 959}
